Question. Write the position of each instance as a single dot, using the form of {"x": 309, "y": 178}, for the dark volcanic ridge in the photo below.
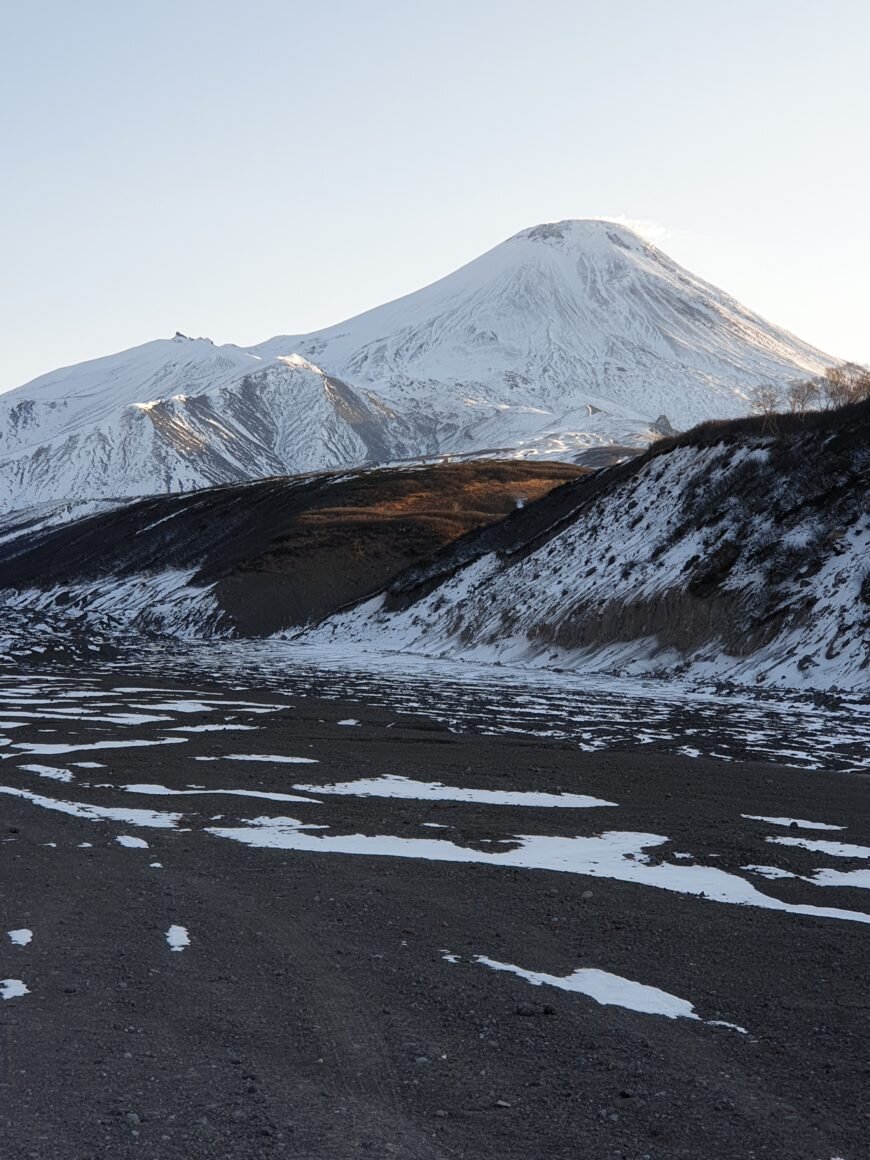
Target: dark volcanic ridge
{"x": 739, "y": 549}
{"x": 273, "y": 553}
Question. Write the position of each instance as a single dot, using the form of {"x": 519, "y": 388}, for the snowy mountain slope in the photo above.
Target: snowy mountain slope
{"x": 83, "y": 396}
{"x": 739, "y": 554}
{"x": 562, "y": 318}
{"x": 566, "y": 337}
{"x": 283, "y": 417}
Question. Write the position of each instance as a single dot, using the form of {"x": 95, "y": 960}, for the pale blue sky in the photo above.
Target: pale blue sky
{"x": 241, "y": 169}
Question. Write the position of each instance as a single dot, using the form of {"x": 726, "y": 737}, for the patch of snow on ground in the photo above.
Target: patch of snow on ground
{"x": 12, "y": 989}
{"x": 20, "y": 938}
{"x": 49, "y": 771}
{"x": 208, "y": 728}
{"x": 798, "y": 822}
{"x": 90, "y": 813}
{"x": 772, "y": 872}
{"x": 164, "y": 791}
{"x": 836, "y": 849}
{"x": 607, "y": 989}
{"x": 859, "y": 879}
{"x": 62, "y": 747}
{"x": 617, "y": 855}
{"x": 271, "y": 757}
{"x": 178, "y": 938}
{"x": 396, "y": 786}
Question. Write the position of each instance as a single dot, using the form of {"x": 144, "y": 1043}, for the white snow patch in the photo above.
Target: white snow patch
{"x": 20, "y": 938}
{"x": 49, "y": 771}
{"x": 178, "y": 938}
{"x": 800, "y": 823}
{"x": 835, "y": 849}
{"x": 12, "y": 989}
{"x": 91, "y": 813}
{"x": 396, "y": 786}
{"x": 165, "y": 791}
{"x": 615, "y": 854}
{"x": 859, "y": 879}
{"x": 271, "y": 757}
{"x": 63, "y": 747}
{"x": 772, "y": 872}
{"x": 133, "y": 843}
{"x": 208, "y": 728}
{"x": 607, "y": 989}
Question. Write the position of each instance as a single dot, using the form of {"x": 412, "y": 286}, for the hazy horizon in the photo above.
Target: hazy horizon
{"x": 241, "y": 174}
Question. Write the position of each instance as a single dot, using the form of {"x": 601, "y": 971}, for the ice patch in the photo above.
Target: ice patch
{"x": 133, "y": 843}
{"x": 348, "y": 721}
{"x": 395, "y": 786}
{"x": 20, "y": 938}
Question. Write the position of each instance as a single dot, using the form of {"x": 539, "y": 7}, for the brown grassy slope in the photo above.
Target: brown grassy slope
{"x": 355, "y": 536}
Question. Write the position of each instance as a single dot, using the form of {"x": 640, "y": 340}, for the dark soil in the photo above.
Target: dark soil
{"x": 314, "y": 1016}
{"x": 286, "y": 550}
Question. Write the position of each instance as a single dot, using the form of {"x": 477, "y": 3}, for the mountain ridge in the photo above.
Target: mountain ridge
{"x": 567, "y": 337}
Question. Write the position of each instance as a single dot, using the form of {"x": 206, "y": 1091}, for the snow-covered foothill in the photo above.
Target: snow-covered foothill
{"x": 739, "y": 555}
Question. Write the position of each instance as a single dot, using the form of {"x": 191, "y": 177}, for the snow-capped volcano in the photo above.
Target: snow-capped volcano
{"x": 564, "y": 317}
{"x": 567, "y": 336}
